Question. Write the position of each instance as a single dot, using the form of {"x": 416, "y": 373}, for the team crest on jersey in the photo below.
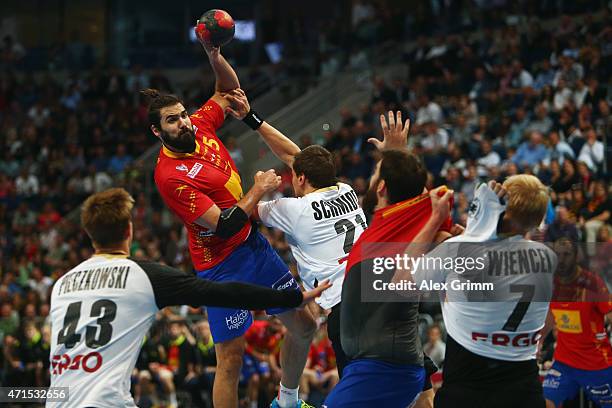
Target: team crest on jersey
{"x": 195, "y": 170}
{"x": 474, "y": 208}
{"x": 182, "y": 167}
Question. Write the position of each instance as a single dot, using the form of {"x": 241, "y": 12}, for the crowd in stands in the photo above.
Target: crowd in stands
{"x": 520, "y": 96}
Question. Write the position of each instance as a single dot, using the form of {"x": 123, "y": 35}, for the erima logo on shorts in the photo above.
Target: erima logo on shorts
{"x": 286, "y": 285}
{"x": 290, "y": 282}
{"x": 237, "y": 320}
{"x": 195, "y": 170}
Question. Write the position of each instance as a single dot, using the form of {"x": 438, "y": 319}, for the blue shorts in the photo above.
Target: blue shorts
{"x": 252, "y": 366}
{"x": 563, "y": 383}
{"x": 256, "y": 262}
{"x": 373, "y": 383}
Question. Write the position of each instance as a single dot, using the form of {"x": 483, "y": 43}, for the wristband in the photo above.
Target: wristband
{"x": 253, "y": 120}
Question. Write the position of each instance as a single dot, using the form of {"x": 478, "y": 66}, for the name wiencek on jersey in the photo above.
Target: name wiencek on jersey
{"x": 114, "y": 277}
{"x": 519, "y": 262}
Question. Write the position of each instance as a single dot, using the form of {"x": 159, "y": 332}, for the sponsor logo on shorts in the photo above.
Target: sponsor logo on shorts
{"x": 237, "y": 320}
{"x": 182, "y": 167}
{"x": 286, "y": 282}
{"x": 551, "y": 383}
{"x": 195, "y": 170}
{"x": 600, "y": 390}
{"x": 286, "y": 285}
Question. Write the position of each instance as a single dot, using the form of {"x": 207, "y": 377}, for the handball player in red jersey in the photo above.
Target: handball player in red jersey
{"x": 199, "y": 182}
{"x": 380, "y": 338}
{"x": 583, "y": 355}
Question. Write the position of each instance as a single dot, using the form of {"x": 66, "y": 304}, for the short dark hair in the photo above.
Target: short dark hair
{"x": 158, "y": 101}
{"x": 106, "y": 216}
{"x": 404, "y": 175}
{"x": 316, "y": 163}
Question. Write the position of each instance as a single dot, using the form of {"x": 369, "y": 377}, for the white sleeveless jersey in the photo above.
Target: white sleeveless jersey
{"x": 321, "y": 228}
{"x": 506, "y": 326}
{"x": 102, "y": 309}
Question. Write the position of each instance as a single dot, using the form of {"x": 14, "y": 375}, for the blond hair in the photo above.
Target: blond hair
{"x": 527, "y": 200}
{"x": 106, "y": 216}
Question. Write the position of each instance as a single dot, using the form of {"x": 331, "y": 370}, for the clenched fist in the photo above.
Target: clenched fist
{"x": 267, "y": 181}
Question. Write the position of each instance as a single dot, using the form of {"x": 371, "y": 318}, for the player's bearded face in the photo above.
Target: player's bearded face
{"x": 567, "y": 258}
{"x": 183, "y": 142}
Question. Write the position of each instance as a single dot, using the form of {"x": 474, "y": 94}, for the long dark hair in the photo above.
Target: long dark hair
{"x": 157, "y": 101}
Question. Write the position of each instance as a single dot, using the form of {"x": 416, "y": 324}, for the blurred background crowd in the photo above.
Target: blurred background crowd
{"x": 492, "y": 89}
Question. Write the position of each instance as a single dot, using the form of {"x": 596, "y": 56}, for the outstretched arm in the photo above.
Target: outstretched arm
{"x": 283, "y": 147}
{"x": 225, "y": 76}
{"x": 395, "y": 133}
{"x": 174, "y": 287}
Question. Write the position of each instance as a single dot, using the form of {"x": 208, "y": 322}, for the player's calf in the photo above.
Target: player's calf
{"x": 301, "y": 326}
{"x": 229, "y": 363}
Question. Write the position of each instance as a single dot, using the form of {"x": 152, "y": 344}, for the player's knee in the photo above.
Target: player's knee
{"x": 309, "y": 327}
{"x": 425, "y": 399}
{"x": 144, "y": 375}
{"x": 550, "y": 404}
{"x": 306, "y": 327}
{"x": 165, "y": 375}
{"x": 230, "y": 365}
{"x": 255, "y": 380}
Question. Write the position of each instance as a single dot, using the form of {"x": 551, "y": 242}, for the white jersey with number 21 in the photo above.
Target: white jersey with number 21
{"x": 321, "y": 228}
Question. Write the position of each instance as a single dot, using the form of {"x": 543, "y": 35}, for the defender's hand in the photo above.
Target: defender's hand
{"x": 267, "y": 181}
{"x": 499, "y": 190}
{"x": 440, "y": 204}
{"x": 457, "y": 230}
{"x": 395, "y": 133}
{"x": 239, "y": 104}
{"x": 311, "y": 295}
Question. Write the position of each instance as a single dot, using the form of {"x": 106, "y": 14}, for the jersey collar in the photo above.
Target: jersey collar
{"x": 402, "y": 205}
{"x": 324, "y": 189}
{"x": 110, "y": 255}
{"x": 175, "y": 155}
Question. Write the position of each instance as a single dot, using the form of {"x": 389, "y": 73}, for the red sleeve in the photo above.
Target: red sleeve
{"x": 210, "y": 116}
{"x": 186, "y": 201}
